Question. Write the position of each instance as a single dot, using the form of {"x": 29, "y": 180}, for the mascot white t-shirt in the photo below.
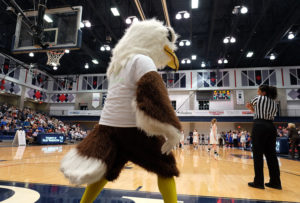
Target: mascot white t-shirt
{"x": 118, "y": 110}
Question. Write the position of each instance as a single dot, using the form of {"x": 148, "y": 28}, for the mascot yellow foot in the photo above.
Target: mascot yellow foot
{"x": 92, "y": 191}
{"x": 166, "y": 187}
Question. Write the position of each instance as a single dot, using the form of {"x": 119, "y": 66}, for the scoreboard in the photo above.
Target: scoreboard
{"x": 222, "y": 95}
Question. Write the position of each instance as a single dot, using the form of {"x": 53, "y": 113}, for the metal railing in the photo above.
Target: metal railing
{"x": 290, "y": 112}
{"x": 283, "y": 113}
{"x": 75, "y": 112}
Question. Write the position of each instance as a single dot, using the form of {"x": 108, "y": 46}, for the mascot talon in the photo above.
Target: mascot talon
{"x": 138, "y": 122}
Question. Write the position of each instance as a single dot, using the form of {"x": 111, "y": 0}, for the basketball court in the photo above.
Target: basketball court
{"x": 53, "y": 59}
{"x": 203, "y": 178}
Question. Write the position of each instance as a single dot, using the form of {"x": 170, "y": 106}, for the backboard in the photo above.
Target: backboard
{"x": 61, "y": 30}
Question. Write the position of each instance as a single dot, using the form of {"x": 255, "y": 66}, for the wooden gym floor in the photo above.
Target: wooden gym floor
{"x": 202, "y": 174}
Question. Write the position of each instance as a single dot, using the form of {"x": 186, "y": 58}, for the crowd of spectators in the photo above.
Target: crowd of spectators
{"x": 13, "y": 118}
{"x": 284, "y": 131}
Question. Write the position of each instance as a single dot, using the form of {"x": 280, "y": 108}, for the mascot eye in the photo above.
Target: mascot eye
{"x": 169, "y": 35}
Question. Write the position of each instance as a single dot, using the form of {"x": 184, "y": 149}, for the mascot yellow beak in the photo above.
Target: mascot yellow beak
{"x": 173, "y": 63}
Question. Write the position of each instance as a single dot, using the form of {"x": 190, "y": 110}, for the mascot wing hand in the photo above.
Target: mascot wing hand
{"x": 154, "y": 112}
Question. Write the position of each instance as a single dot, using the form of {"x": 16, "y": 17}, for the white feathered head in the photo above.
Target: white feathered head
{"x": 150, "y": 38}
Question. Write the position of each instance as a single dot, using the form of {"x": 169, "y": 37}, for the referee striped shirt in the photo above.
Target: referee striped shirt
{"x": 264, "y": 108}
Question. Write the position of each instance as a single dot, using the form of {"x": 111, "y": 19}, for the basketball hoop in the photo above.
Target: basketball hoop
{"x": 54, "y": 57}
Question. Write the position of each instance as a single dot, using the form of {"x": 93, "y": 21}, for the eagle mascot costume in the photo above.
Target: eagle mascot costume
{"x": 138, "y": 122}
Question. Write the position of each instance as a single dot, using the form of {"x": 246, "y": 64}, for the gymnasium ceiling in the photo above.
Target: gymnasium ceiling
{"x": 263, "y": 30}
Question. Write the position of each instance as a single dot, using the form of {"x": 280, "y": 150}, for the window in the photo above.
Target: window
{"x": 94, "y": 83}
{"x": 213, "y": 79}
{"x": 174, "y": 80}
{"x": 295, "y": 76}
{"x": 203, "y": 105}
{"x": 9, "y": 68}
{"x": 174, "y": 104}
{"x": 63, "y": 84}
{"x": 258, "y": 77}
{"x": 39, "y": 80}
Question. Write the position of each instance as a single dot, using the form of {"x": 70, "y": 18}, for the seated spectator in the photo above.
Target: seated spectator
{"x": 41, "y": 129}
{"x": 3, "y": 121}
{"x": 6, "y": 127}
{"x": 29, "y": 137}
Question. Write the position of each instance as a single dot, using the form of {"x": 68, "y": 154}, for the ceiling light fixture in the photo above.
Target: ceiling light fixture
{"x": 95, "y": 61}
{"x": 115, "y": 11}
{"x": 67, "y": 51}
{"x": 195, "y": 4}
{"x": 131, "y": 19}
{"x": 184, "y": 42}
{"x": 272, "y": 57}
{"x": 81, "y": 25}
{"x": 203, "y": 64}
{"x": 87, "y": 23}
{"x": 249, "y": 54}
{"x": 182, "y": 14}
{"x": 128, "y": 21}
{"x": 54, "y": 67}
{"x": 86, "y": 66}
{"x": 48, "y": 19}
{"x": 105, "y": 47}
{"x": 194, "y": 57}
{"x": 222, "y": 60}
{"x": 228, "y": 39}
{"x": 31, "y": 54}
{"x": 291, "y": 36}
{"x": 186, "y": 15}
{"x": 186, "y": 61}
{"x": 178, "y": 16}
{"x": 244, "y": 10}
{"x": 239, "y": 9}
{"x": 232, "y": 40}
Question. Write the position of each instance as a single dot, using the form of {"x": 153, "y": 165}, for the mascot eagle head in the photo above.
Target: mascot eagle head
{"x": 150, "y": 38}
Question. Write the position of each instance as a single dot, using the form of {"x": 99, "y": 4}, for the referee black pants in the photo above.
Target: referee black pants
{"x": 264, "y": 143}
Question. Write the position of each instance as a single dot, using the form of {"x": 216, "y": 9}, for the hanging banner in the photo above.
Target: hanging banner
{"x": 240, "y": 97}
{"x": 96, "y": 100}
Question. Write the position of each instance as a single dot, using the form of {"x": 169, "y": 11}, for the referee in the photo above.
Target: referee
{"x": 264, "y": 137}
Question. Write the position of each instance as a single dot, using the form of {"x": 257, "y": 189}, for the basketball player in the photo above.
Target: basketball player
{"x": 213, "y": 136}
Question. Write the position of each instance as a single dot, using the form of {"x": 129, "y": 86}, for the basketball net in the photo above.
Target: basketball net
{"x": 54, "y": 57}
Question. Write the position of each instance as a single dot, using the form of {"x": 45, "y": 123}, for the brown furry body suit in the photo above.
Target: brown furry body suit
{"x": 114, "y": 146}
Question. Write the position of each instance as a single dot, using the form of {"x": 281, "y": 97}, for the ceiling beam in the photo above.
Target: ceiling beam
{"x": 140, "y": 9}
{"x": 166, "y": 13}
{"x": 211, "y": 27}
